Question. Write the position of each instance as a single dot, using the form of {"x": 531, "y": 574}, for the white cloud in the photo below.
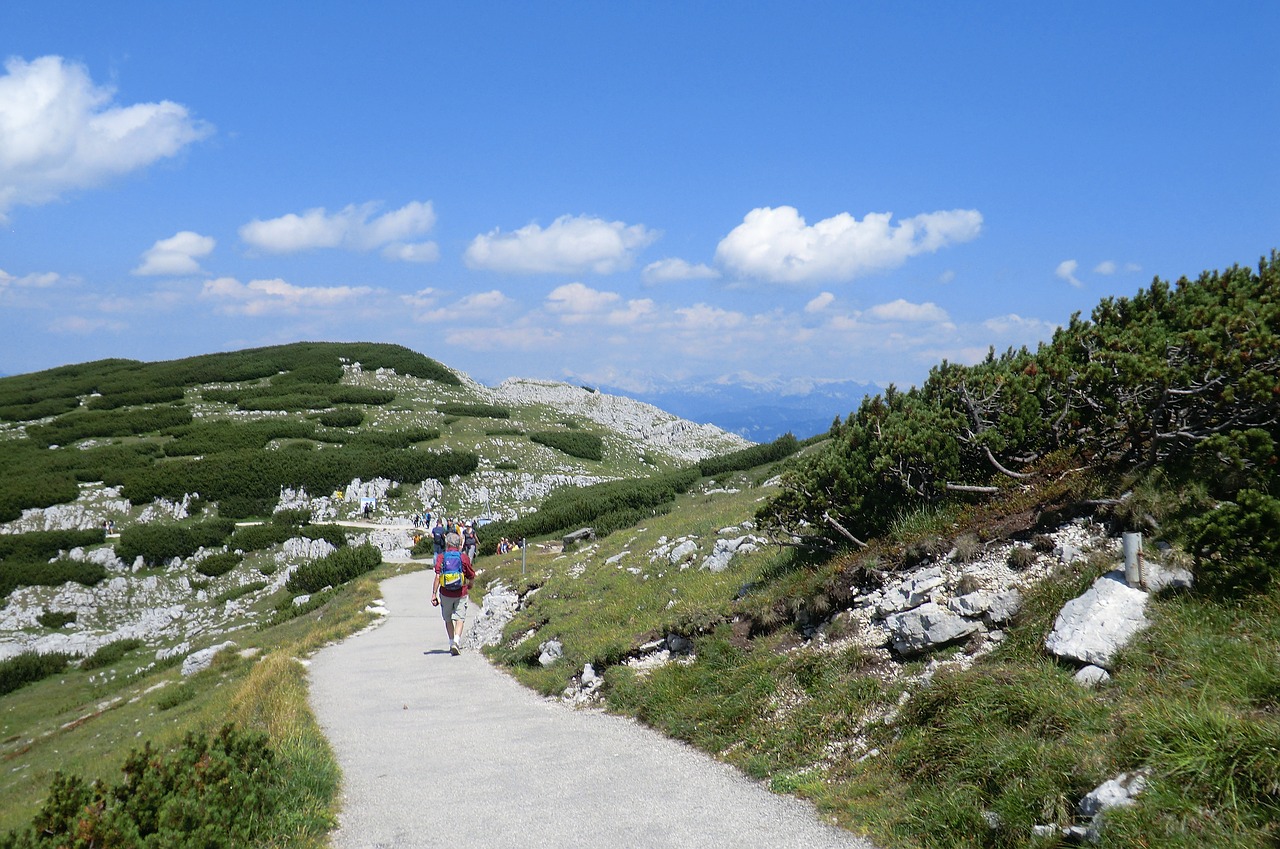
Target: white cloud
{"x": 59, "y": 131}
{"x": 776, "y": 244}
{"x": 569, "y": 245}
{"x": 176, "y": 255}
{"x": 706, "y": 318}
{"x": 671, "y": 269}
{"x": 1105, "y": 267}
{"x": 351, "y": 228}
{"x": 820, "y": 303}
{"x": 421, "y": 299}
{"x": 1066, "y": 270}
{"x": 42, "y": 280}
{"x": 577, "y": 298}
{"x": 264, "y": 297}
{"x": 484, "y": 301}
{"x": 634, "y": 312}
{"x": 414, "y": 252}
{"x": 901, "y": 310}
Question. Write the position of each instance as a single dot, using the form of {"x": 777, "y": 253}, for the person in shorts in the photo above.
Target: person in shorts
{"x": 452, "y": 601}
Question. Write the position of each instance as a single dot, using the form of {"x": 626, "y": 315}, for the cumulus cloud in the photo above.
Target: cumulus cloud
{"x": 354, "y": 227}
{"x": 1066, "y": 270}
{"x": 569, "y": 245}
{"x": 901, "y": 310}
{"x": 820, "y": 303}
{"x": 775, "y": 244}
{"x": 59, "y": 131}
{"x": 176, "y": 255}
{"x": 42, "y": 280}
{"x": 265, "y": 297}
{"x": 672, "y": 269}
{"x": 412, "y": 252}
{"x": 1105, "y": 267}
{"x": 577, "y": 298}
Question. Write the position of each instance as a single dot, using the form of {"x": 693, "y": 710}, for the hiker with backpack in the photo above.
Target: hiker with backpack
{"x": 449, "y": 589}
{"x": 437, "y": 538}
{"x": 470, "y": 542}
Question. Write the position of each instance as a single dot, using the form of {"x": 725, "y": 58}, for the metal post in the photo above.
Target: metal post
{"x": 1132, "y": 546}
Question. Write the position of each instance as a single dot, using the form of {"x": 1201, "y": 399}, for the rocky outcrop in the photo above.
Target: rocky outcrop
{"x": 1090, "y": 629}
{"x": 641, "y": 423}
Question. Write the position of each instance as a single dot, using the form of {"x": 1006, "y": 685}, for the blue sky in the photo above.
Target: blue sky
{"x": 630, "y": 194}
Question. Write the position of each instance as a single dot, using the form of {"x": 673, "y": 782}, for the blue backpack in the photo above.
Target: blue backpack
{"x": 451, "y": 573}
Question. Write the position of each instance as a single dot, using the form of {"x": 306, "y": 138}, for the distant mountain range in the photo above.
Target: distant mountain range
{"x": 758, "y": 410}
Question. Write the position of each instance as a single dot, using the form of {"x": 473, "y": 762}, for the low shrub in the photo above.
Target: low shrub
{"x": 157, "y": 542}
{"x": 586, "y": 446}
{"x": 1237, "y": 546}
{"x": 56, "y": 618}
{"x": 240, "y": 591}
{"x": 217, "y": 565}
{"x": 335, "y": 569}
{"x": 215, "y": 793}
{"x": 30, "y": 667}
{"x": 748, "y": 458}
{"x": 479, "y": 411}
{"x": 110, "y": 653}
{"x": 49, "y": 574}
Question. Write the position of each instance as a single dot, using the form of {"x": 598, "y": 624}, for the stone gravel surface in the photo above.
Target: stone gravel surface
{"x": 448, "y": 751}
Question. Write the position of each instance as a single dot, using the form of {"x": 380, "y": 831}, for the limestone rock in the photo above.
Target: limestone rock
{"x": 1090, "y": 629}
{"x": 551, "y": 651}
{"x": 927, "y": 626}
{"x": 1092, "y": 676}
{"x": 201, "y": 660}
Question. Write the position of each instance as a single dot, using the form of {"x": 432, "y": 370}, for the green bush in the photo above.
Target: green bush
{"x": 158, "y": 542}
{"x": 335, "y": 569}
{"x": 611, "y": 505}
{"x": 82, "y": 424}
{"x": 1237, "y": 546}
{"x": 586, "y": 446}
{"x": 54, "y": 573}
{"x": 41, "y": 545}
{"x": 211, "y": 793}
{"x": 217, "y": 565}
{"x": 240, "y": 591}
{"x": 479, "y": 411}
{"x": 56, "y": 618}
{"x": 748, "y": 458}
{"x": 110, "y": 653}
{"x": 29, "y": 667}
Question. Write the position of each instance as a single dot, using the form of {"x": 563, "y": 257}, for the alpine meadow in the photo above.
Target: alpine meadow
{"x": 908, "y": 621}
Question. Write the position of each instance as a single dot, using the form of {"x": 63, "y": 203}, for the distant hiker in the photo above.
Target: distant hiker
{"x": 437, "y": 538}
{"x": 449, "y": 589}
{"x": 470, "y": 542}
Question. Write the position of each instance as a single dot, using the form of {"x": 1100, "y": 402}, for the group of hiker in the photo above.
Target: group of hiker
{"x": 454, "y": 546}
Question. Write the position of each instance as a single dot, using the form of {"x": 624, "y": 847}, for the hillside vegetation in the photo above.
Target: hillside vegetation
{"x": 724, "y": 598}
{"x": 1159, "y": 414}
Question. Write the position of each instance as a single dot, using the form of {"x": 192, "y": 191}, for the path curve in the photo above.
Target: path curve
{"x": 405, "y": 719}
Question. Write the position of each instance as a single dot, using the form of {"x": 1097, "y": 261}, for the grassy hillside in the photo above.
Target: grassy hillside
{"x": 232, "y": 485}
{"x": 1160, "y": 414}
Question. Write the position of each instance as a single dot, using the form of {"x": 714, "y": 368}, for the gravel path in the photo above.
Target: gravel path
{"x": 407, "y": 720}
